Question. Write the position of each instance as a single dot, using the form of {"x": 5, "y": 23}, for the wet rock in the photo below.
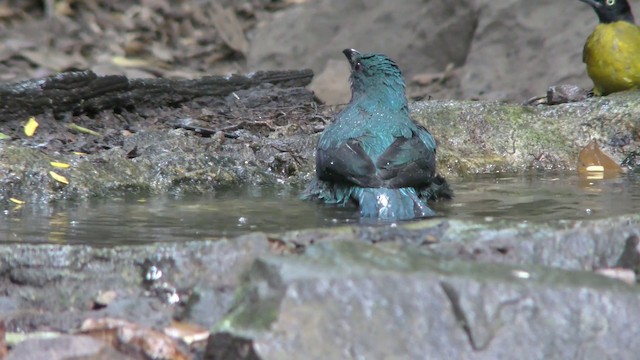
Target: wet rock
{"x": 630, "y": 257}
{"x": 84, "y": 272}
{"x": 417, "y": 306}
{"x": 486, "y": 137}
{"x": 226, "y": 346}
{"x": 65, "y": 347}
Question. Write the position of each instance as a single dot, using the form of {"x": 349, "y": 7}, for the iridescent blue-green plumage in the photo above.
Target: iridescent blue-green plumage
{"x": 374, "y": 154}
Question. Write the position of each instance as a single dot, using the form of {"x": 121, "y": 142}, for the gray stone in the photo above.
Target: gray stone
{"x": 419, "y": 35}
{"x": 507, "y": 50}
{"x": 350, "y": 300}
{"x": 521, "y": 47}
{"x": 488, "y": 137}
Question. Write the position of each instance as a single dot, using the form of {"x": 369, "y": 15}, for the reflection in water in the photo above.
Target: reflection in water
{"x": 133, "y": 219}
{"x": 543, "y": 198}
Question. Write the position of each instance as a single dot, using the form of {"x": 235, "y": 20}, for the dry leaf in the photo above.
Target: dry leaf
{"x": 53, "y": 59}
{"x": 82, "y": 129}
{"x": 188, "y": 333}
{"x": 31, "y": 126}
{"x": 3, "y": 342}
{"x": 60, "y": 165}
{"x": 229, "y": 28}
{"x": 16, "y": 201}
{"x": 592, "y": 159}
{"x": 131, "y": 338}
{"x": 128, "y": 62}
{"x": 59, "y": 178}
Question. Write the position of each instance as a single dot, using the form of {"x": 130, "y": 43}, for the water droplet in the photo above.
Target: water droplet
{"x": 153, "y": 274}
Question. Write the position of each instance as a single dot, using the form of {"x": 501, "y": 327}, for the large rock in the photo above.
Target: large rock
{"x": 420, "y": 35}
{"x": 520, "y": 47}
{"x": 350, "y": 300}
{"x": 508, "y": 50}
{"x": 485, "y": 137}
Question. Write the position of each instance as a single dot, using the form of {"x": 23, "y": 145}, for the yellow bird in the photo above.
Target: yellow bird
{"x": 612, "y": 51}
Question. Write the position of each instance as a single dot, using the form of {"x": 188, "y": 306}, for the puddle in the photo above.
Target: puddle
{"x": 136, "y": 220}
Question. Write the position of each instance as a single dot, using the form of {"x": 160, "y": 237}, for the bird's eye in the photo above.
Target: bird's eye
{"x": 611, "y": 2}
{"x": 357, "y": 67}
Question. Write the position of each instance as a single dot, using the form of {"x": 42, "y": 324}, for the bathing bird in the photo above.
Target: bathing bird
{"x": 612, "y": 51}
{"x": 374, "y": 155}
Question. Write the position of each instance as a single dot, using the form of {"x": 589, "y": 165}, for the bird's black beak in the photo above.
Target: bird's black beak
{"x": 594, "y": 3}
{"x": 351, "y": 55}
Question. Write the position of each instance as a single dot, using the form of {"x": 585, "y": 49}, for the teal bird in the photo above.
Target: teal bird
{"x": 374, "y": 155}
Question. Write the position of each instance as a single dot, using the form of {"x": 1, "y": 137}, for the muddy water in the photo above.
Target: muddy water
{"x": 135, "y": 219}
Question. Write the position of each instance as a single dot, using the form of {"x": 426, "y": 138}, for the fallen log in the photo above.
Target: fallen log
{"x": 85, "y": 92}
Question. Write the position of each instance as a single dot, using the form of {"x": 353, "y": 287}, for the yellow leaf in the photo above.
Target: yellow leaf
{"x": 79, "y": 153}
{"x": 595, "y": 168}
{"x": 592, "y": 159}
{"x": 60, "y": 165}
{"x": 128, "y": 62}
{"x": 59, "y": 178}
{"x": 82, "y": 129}
{"x": 16, "y": 201}
{"x": 31, "y": 126}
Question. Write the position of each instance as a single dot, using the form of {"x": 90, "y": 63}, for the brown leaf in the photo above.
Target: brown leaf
{"x": 131, "y": 338}
{"x": 3, "y": 342}
{"x": 592, "y": 159}
{"x": 229, "y": 28}
{"x": 53, "y": 59}
{"x": 188, "y": 333}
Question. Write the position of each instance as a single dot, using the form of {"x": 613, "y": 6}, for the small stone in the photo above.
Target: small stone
{"x": 565, "y": 93}
{"x": 105, "y": 298}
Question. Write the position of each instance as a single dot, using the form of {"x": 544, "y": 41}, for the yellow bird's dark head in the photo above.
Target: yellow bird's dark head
{"x": 610, "y": 11}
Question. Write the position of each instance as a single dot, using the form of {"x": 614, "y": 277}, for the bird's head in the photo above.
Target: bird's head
{"x": 375, "y": 75}
{"x": 611, "y": 10}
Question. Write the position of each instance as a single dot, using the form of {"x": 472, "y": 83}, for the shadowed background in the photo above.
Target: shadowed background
{"x": 465, "y": 49}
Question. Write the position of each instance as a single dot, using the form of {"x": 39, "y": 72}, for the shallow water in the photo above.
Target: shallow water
{"x": 135, "y": 219}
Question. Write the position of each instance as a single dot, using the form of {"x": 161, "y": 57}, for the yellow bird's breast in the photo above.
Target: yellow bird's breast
{"x": 612, "y": 55}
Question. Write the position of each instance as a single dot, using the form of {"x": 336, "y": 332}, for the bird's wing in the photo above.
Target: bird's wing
{"x": 408, "y": 162}
{"x": 346, "y": 163}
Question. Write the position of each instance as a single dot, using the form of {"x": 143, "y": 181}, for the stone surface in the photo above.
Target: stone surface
{"x": 486, "y": 137}
{"x": 64, "y": 280}
{"x": 420, "y": 35}
{"x": 473, "y": 137}
{"x": 332, "y": 84}
{"x": 522, "y": 47}
{"x": 508, "y": 50}
{"x": 54, "y": 286}
{"x": 350, "y": 300}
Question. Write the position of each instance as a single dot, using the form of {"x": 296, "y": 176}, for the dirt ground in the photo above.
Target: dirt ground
{"x": 139, "y": 40}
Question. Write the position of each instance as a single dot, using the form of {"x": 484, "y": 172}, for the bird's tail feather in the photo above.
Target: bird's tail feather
{"x": 391, "y": 204}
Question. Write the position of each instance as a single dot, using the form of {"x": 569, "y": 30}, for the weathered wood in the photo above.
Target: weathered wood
{"x": 84, "y": 91}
